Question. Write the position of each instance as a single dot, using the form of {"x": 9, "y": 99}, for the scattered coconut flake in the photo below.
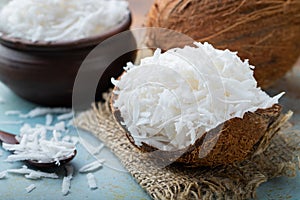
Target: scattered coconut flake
{"x": 30, "y": 188}
{"x": 75, "y": 140}
{"x": 65, "y": 116}
{"x": 50, "y": 20}
{"x": 98, "y": 149}
{"x": 66, "y": 138}
{"x": 11, "y": 122}
{"x": 91, "y": 181}
{"x": 2, "y": 101}
{"x": 32, "y": 174}
{"x": 92, "y": 166}
{"x": 66, "y": 184}
{"x": 13, "y": 112}
{"x": 94, "y": 150}
{"x": 40, "y": 111}
{"x": 3, "y": 174}
{"x": 60, "y": 126}
{"x": 171, "y": 99}
{"x": 48, "y": 119}
{"x": 39, "y": 174}
{"x": 70, "y": 123}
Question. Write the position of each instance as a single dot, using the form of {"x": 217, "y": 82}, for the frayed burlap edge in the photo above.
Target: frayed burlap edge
{"x": 275, "y": 155}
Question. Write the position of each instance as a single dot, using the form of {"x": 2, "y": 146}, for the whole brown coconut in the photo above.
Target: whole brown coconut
{"x": 265, "y": 32}
{"x": 230, "y": 142}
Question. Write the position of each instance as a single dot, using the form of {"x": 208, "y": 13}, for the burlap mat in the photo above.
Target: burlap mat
{"x": 276, "y": 155}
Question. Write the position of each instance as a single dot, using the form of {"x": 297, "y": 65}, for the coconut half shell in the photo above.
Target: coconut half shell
{"x": 232, "y": 141}
{"x": 265, "y": 32}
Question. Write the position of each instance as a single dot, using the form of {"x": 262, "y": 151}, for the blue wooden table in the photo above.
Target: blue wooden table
{"x": 113, "y": 181}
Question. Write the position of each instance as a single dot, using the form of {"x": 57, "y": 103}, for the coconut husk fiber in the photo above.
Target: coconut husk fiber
{"x": 275, "y": 155}
{"x": 265, "y": 32}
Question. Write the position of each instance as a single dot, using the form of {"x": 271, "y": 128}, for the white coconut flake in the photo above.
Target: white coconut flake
{"x": 74, "y": 140}
{"x": 11, "y": 122}
{"x": 3, "y": 174}
{"x": 66, "y": 184}
{"x": 32, "y": 174}
{"x": 93, "y": 166}
{"x": 60, "y": 126}
{"x": 30, "y": 188}
{"x": 98, "y": 149}
{"x": 2, "y": 101}
{"x": 171, "y": 99}
{"x": 13, "y": 112}
{"x": 94, "y": 150}
{"x": 65, "y": 116}
{"x": 41, "y": 111}
{"x": 48, "y": 119}
{"x": 91, "y": 181}
{"x": 50, "y": 20}
{"x": 70, "y": 123}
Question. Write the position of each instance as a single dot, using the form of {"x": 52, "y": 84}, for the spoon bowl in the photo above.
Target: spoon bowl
{"x": 11, "y": 139}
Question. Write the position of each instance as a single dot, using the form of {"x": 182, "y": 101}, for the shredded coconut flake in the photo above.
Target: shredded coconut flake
{"x": 32, "y": 174}
{"x": 98, "y": 149}
{"x": 40, "y": 111}
{"x": 3, "y": 174}
{"x": 65, "y": 116}
{"x": 11, "y": 122}
{"x": 92, "y": 166}
{"x": 91, "y": 181}
{"x": 66, "y": 184}
{"x": 50, "y": 20}
{"x": 94, "y": 150}
{"x": 13, "y": 112}
{"x": 48, "y": 119}
{"x": 60, "y": 126}
{"x": 171, "y": 99}
{"x": 30, "y": 188}
{"x": 2, "y": 101}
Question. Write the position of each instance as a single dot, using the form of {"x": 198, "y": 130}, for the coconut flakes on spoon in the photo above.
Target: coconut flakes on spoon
{"x": 33, "y": 145}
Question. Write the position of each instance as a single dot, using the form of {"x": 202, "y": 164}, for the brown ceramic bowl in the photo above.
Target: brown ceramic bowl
{"x": 44, "y": 72}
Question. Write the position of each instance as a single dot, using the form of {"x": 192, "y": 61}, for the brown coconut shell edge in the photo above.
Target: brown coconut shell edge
{"x": 230, "y": 142}
{"x": 265, "y": 32}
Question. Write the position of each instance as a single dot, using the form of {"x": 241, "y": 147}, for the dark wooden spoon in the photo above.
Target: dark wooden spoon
{"x": 11, "y": 139}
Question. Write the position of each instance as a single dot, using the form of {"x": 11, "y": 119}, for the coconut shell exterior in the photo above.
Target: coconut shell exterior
{"x": 233, "y": 141}
{"x": 265, "y": 32}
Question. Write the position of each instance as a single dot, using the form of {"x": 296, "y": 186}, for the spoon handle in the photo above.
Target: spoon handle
{"x": 8, "y": 138}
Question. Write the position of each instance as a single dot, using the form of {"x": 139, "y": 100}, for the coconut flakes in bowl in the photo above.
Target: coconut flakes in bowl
{"x": 60, "y": 20}
{"x": 171, "y": 99}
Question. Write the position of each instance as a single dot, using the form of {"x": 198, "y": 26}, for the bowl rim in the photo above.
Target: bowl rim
{"x": 25, "y": 44}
